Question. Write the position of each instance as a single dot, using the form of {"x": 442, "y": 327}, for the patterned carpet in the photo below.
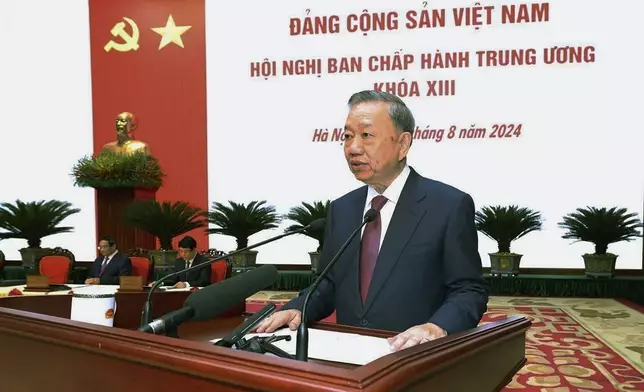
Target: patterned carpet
{"x": 574, "y": 344}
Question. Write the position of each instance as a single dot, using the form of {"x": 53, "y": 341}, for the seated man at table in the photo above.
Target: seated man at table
{"x": 188, "y": 257}
{"x": 110, "y": 265}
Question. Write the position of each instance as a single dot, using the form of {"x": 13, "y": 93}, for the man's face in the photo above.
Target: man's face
{"x": 372, "y": 145}
{"x": 105, "y": 249}
{"x": 186, "y": 253}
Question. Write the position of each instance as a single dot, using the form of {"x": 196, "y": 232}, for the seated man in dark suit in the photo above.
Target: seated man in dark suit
{"x": 110, "y": 266}
{"x": 417, "y": 268}
{"x": 188, "y": 256}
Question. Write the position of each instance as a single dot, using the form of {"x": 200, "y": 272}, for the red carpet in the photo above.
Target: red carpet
{"x": 562, "y": 355}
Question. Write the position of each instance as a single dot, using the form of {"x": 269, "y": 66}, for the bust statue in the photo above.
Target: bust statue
{"x": 125, "y": 125}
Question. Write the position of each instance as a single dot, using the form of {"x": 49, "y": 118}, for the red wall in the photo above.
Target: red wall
{"x": 164, "y": 88}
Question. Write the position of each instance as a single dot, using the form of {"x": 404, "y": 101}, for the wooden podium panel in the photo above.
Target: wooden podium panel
{"x": 42, "y": 352}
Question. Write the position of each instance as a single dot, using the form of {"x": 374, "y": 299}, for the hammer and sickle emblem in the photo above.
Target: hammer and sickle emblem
{"x": 129, "y": 42}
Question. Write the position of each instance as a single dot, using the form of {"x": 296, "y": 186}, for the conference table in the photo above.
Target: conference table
{"x": 43, "y": 349}
{"x": 128, "y": 313}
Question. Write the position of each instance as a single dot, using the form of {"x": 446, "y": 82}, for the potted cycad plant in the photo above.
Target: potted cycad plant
{"x": 505, "y": 224}
{"x": 241, "y": 221}
{"x": 305, "y": 214}
{"x": 165, "y": 221}
{"x": 602, "y": 227}
{"x": 34, "y": 221}
{"x": 116, "y": 170}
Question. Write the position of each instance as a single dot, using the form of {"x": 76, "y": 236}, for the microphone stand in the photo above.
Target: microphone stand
{"x": 302, "y": 342}
{"x": 263, "y": 345}
{"x": 146, "y": 314}
{"x": 256, "y": 344}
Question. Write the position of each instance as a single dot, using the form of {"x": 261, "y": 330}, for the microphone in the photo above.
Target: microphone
{"x": 146, "y": 314}
{"x": 302, "y": 343}
{"x": 168, "y": 322}
{"x": 248, "y": 325}
{"x": 211, "y": 301}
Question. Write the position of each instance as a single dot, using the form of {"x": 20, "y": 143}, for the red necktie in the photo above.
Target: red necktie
{"x": 104, "y": 265}
{"x": 370, "y": 246}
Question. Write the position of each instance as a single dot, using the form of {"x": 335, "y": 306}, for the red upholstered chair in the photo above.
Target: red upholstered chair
{"x": 141, "y": 267}
{"x": 220, "y": 270}
{"x": 141, "y": 264}
{"x": 56, "y": 268}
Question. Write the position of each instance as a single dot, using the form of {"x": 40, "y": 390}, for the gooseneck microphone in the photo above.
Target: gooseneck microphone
{"x": 302, "y": 343}
{"x": 146, "y": 314}
{"x": 211, "y": 301}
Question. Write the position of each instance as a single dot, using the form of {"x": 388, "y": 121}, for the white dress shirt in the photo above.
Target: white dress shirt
{"x": 189, "y": 263}
{"x": 392, "y": 193}
{"x": 107, "y": 259}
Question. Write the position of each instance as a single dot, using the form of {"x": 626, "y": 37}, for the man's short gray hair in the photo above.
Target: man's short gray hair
{"x": 399, "y": 113}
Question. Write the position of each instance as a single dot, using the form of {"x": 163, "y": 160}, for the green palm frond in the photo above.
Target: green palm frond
{"x": 164, "y": 220}
{"x": 241, "y": 221}
{"x": 601, "y": 226}
{"x": 505, "y": 224}
{"x": 34, "y": 220}
{"x": 305, "y": 214}
{"x": 111, "y": 169}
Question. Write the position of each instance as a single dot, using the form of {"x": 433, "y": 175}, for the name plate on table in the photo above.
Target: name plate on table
{"x": 131, "y": 283}
{"x": 37, "y": 283}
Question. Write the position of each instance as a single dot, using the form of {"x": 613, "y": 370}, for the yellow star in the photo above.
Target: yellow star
{"x": 170, "y": 33}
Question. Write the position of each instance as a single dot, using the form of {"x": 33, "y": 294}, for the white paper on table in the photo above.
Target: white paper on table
{"x": 333, "y": 346}
{"x": 77, "y": 286}
{"x": 95, "y": 289}
{"x": 172, "y": 288}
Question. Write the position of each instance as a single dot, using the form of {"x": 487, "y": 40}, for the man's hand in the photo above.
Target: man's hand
{"x": 180, "y": 285}
{"x": 416, "y": 335}
{"x": 93, "y": 281}
{"x": 290, "y": 317}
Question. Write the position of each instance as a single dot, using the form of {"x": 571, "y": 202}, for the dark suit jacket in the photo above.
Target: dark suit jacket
{"x": 120, "y": 265}
{"x": 196, "y": 278}
{"x": 428, "y": 268}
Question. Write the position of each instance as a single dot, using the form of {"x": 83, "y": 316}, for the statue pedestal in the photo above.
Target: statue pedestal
{"x": 110, "y": 209}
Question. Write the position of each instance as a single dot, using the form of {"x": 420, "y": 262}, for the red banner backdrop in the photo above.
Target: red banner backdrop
{"x": 149, "y": 58}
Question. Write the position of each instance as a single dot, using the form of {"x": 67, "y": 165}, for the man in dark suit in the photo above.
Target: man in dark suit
{"x": 110, "y": 266}
{"x": 416, "y": 269}
{"x": 188, "y": 257}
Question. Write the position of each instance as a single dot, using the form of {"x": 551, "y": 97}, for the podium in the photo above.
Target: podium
{"x": 110, "y": 212}
{"x": 43, "y": 350}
